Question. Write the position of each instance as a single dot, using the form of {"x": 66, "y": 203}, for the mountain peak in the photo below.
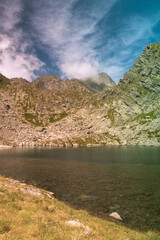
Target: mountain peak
{"x": 49, "y": 82}
{"x": 99, "y": 82}
{"x": 146, "y": 70}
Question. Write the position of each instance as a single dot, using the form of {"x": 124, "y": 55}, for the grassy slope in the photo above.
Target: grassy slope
{"x": 30, "y": 213}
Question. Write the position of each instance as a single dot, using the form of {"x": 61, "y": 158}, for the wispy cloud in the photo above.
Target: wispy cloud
{"x": 14, "y": 59}
{"x": 138, "y": 28}
{"x": 65, "y": 27}
{"x": 71, "y": 33}
{"x": 9, "y": 13}
{"x": 80, "y": 37}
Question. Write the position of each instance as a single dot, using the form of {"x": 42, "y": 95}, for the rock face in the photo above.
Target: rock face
{"x": 146, "y": 70}
{"x": 106, "y": 79}
{"x": 96, "y": 83}
{"x": 99, "y": 82}
{"x": 49, "y": 82}
{"x": 140, "y": 91}
{"x": 54, "y": 112}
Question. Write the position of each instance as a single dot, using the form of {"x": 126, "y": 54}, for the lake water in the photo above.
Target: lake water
{"x": 101, "y": 180}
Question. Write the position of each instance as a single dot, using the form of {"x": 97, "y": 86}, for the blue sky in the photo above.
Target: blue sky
{"x": 75, "y": 38}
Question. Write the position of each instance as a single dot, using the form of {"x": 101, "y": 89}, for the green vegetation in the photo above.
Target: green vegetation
{"x": 79, "y": 141}
{"x": 155, "y": 133}
{"x": 109, "y": 136}
{"x": 111, "y": 115}
{"x": 33, "y": 118}
{"x": 56, "y": 117}
{"x": 145, "y": 116}
{"x": 95, "y": 139}
{"x": 4, "y": 141}
{"x": 90, "y": 140}
{"x": 25, "y": 107}
{"x": 83, "y": 141}
{"x": 142, "y": 118}
{"x": 30, "y": 213}
{"x": 4, "y": 81}
{"x": 134, "y": 85}
{"x": 150, "y": 115}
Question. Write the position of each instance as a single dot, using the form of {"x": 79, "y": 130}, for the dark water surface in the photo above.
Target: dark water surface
{"x": 100, "y": 180}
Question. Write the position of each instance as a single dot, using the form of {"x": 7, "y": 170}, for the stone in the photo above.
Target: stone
{"x": 116, "y": 216}
{"x": 77, "y": 223}
{"x": 32, "y": 191}
{"x": 74, "y": 223}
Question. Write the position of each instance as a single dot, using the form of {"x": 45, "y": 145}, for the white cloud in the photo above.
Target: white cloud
{"x": 79, "y": 69}
{"x": 9, "y": 14}
{"x": 14, "y": 59}
{"x": 68, "y": 32}
{"x": 63, "y": 27}
{"x": 4, "y": 42}
{"x": 14, "y": 63}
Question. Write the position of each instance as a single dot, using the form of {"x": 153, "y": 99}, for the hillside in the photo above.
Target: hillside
{"x": 31, "y": 213}
{"x": 73, "y": 112}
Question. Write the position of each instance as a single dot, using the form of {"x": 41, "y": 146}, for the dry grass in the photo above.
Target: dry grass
{"x": 28, "y": 213}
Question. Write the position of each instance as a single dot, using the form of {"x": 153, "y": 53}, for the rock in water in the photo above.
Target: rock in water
{"x": 116, "y": 216}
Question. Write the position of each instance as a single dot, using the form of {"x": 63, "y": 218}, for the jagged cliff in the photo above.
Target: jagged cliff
{"x": 54, "y": 112}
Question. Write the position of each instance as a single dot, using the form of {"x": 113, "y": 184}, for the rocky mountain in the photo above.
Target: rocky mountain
{"x": 49, "y": 82}
{"x": 73, "y": 112}
{"x": 136, "y": 104}
{"x": 96, "y": 83}
{"x": 99, "y": 82}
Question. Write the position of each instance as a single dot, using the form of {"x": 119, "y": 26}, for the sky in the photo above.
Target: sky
{"x": 75, "y": 38}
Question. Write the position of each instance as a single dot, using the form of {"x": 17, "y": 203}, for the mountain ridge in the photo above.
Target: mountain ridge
{"x": 54, "y": 112}
{"x": 95, "y": 83}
